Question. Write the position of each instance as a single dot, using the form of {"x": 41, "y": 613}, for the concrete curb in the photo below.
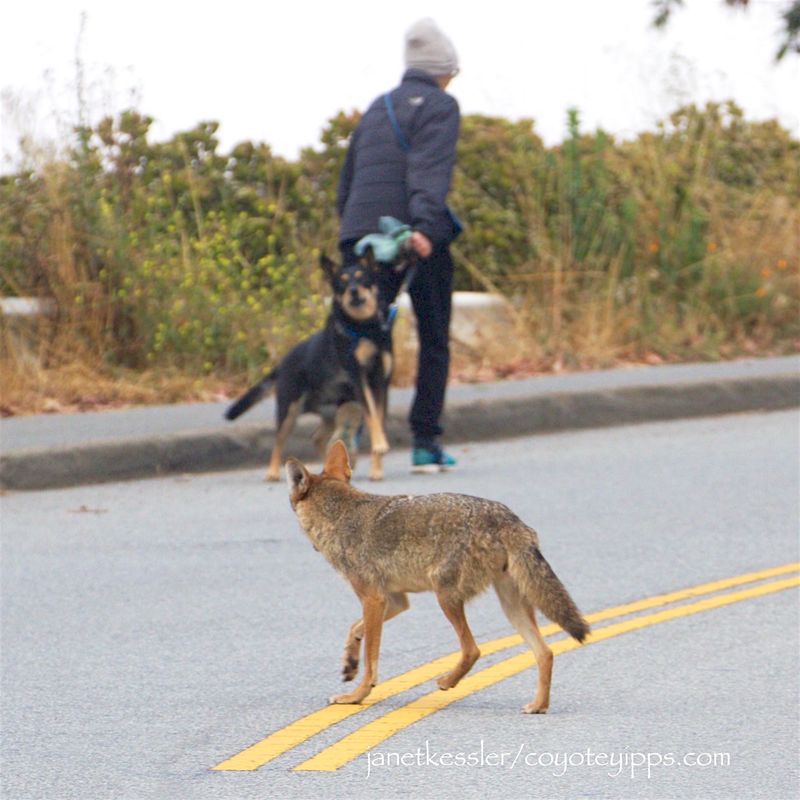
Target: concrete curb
{"x": 503, "y": 415}
{"x": 625, "y": 406}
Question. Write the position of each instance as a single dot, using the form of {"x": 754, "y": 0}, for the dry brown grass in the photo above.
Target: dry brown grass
{"x": 37, "y": 376}
{"x": 74, "y": 387}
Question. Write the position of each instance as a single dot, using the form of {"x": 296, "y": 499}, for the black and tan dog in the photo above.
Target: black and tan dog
{"x": 342, "y": 372}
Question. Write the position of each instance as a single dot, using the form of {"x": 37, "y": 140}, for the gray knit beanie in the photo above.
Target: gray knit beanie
{"x": 428, "y": 49}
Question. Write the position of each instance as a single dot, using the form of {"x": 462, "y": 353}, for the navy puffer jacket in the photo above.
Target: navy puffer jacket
{"x": 380, "y": 178}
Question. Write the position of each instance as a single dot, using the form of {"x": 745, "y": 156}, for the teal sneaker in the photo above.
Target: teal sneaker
{"x": 426, "y": 460}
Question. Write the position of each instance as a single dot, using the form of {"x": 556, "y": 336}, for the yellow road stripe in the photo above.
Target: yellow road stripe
{"x": 299, "y": 731}
{"x": 372, "y": 734}
{"x": 692, "y": 591}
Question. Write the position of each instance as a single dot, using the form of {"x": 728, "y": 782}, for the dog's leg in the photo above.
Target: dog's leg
{"x": 381, "y": 405}
{"x": 322, "y": 436}
{"x": 378, "y": 442}
{"x": 397, "y": 602}
{"x": 365, "y": 353}
{"x": 284, "y": 429}
{"x": 387, "y": 360}
{"x": 521, "y": 615}
{"x": 374, "y": 609}
{"x": 377, "y": 436}
{"x": 349, "y": 417}
{"x": 376, "y": 467}
{"x": 454, "y": 611}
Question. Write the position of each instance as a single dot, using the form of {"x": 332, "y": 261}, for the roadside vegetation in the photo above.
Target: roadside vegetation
{"x": 177, "y": 271}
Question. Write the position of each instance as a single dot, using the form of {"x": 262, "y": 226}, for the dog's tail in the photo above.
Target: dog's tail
{"x": 536, "y": 580}
{"x": 252, "y": 396}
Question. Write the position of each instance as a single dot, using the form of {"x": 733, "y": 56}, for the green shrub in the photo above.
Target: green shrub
{"x": 682, "y": 242}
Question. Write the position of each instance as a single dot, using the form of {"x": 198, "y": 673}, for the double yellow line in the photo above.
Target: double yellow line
{"x": 714, "y": 595}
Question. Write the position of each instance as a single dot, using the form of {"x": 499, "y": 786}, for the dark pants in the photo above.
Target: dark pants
{"x": 431, "y": 297}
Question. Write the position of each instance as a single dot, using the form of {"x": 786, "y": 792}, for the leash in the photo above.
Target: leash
{"x": 398, "y": 131}
{"x": 410, "y": 272}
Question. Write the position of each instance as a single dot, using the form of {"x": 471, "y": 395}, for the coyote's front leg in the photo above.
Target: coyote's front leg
{"x": 374, "y": 609}
{"x": 397, "y": 602}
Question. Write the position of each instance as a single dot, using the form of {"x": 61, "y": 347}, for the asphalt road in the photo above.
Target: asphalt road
{"x": 152, "y": 630}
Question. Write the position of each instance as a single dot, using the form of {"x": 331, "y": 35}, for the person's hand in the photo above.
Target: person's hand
{"x": 422, "y": 244}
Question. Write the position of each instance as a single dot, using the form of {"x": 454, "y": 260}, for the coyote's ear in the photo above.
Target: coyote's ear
{"x": 329, "y": 267}
{"x": 298, "y": 479}
{"x": 337, "y": 465}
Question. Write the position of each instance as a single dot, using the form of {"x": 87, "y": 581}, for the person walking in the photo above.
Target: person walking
{"x": 400, "y": 164}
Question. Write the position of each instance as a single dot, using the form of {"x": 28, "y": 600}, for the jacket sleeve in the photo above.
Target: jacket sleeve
{"x": 430, "y": 169}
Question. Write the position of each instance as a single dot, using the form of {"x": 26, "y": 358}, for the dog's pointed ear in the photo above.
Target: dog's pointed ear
{"x": 329, "y": 267}
{"x": 368, "y": 259}
{"x": 298, "y": 479}
{"x": 337, "y": 464}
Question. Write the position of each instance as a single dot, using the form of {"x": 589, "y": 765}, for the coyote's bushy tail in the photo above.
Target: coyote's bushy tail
{"x": 535, "y": 579}
{"x": 251, "y": 396}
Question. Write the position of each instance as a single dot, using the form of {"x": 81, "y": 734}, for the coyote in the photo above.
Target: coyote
{"x": 452, "y": 544}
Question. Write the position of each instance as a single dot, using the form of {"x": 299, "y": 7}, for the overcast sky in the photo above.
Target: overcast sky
{"x": 276, "y": 71}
